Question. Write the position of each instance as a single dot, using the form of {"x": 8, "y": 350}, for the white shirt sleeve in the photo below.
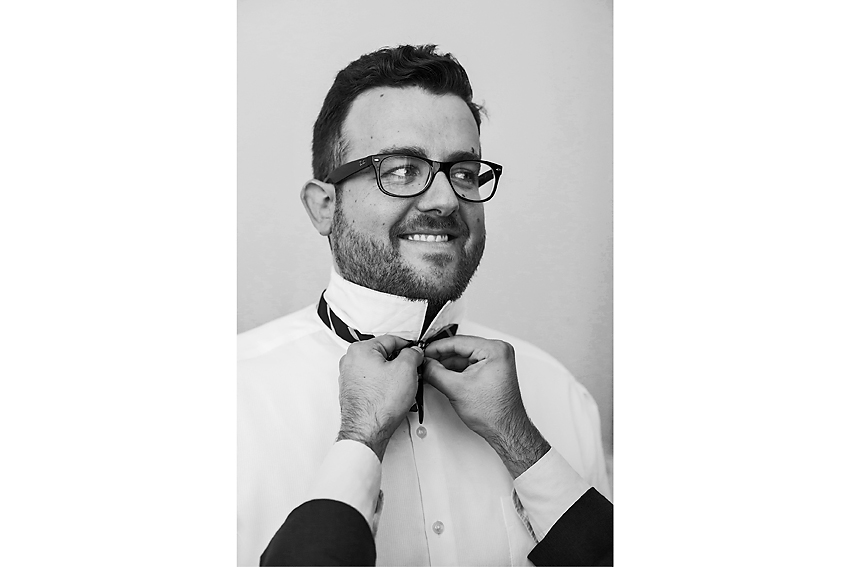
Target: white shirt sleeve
{"x": 546, "y": 490}
{"x": 350, "y": 473}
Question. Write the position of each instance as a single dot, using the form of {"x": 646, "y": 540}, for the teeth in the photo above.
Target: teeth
{"x": 428, "y": 237}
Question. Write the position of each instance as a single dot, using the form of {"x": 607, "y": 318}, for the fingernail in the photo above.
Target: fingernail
{"x": 418, "y": 349}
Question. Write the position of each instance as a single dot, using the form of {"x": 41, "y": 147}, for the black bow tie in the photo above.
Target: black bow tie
{"x": 352, "y": 335}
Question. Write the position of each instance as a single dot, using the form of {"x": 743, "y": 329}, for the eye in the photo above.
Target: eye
{"x": 403, "y": 172}
{"x": 466, "y": 175}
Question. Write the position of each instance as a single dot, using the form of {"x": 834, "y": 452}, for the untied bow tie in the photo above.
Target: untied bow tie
{"x": 351, "y": 335}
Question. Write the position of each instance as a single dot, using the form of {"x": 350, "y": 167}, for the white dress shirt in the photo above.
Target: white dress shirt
{"x": 447, "y": 497}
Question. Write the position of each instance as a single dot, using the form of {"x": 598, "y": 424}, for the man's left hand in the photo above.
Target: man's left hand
{"x": 479, "y": 378}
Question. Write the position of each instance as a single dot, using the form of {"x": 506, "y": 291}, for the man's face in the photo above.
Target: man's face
{"x": 425, "y": 247}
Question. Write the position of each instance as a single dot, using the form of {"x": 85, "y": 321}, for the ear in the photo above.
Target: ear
{"x": 319, "y": 199}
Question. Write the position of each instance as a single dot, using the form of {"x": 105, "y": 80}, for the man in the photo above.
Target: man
{"x": 324, "y": 394}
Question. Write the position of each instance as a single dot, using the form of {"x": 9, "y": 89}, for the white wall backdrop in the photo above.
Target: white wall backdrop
{"x": 544, "y": 71}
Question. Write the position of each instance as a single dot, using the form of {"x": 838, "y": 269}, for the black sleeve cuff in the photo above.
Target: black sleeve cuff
{"x": 322, "y": 532}
{"x": 584, "y": 535}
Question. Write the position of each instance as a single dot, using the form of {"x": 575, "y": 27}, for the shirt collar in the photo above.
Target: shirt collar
{"x": 379, "y": 313}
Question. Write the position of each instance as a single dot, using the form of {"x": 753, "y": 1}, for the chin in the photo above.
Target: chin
{"x": 440, "y": 261}
{"x": 437, "y": 284}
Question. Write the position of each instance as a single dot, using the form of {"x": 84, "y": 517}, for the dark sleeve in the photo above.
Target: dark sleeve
{"x": 584, "y": 535}
{"x": 322, "y": 532}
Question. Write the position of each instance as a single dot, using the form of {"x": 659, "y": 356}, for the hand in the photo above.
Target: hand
{"x": 376, "y": 393}
{"x": 479, "y": 378}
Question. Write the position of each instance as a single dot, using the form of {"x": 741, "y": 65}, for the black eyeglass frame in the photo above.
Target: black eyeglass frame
{"x": 346, "y": 170}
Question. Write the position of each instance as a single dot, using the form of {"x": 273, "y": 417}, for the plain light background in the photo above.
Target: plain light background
{"x": 544, "y": 72}
{"x": 118, "y": 180}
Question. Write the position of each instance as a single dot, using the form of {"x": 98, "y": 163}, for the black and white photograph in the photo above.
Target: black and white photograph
{"x": 457, "y": 396}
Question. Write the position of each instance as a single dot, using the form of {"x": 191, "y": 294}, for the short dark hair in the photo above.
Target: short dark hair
{"x": 402, "y": 66}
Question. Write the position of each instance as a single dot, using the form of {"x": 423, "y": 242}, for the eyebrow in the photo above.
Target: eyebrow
{"x": 418, "y": 151}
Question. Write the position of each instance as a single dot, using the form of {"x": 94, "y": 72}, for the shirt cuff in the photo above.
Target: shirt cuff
{"x": 547, "y": 490}
{"x": 350, "y": 473}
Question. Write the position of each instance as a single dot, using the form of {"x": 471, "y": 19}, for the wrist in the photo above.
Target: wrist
{"x": 518, "y": 443}
{"x": 377, "y": 443}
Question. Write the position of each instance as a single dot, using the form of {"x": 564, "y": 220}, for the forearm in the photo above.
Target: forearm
{"x": 359, "y": 422}
{"x": 321, "y": 532}
{"x": 351, "y": 474}
{"x": 547, "y": 490}
{"x": 583, "y": 535}
{"x": 517, "y": 442}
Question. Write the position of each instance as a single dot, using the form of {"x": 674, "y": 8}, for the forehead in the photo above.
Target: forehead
{"x": 388, "y": 117}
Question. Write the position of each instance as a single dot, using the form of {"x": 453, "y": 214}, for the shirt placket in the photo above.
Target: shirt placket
{"x": 439, "y": 527}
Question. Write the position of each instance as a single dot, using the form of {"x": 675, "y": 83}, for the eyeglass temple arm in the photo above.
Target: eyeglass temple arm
{"x": 347, "y": 170}
{"x": 485, "y": 177}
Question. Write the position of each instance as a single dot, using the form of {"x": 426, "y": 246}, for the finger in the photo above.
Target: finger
{"x": 440, "y": 377}
{"x": 388, "y": 344}
{"x": 455, "y": 363}
{"x": 461, "y": 345}
{"x": 412, "y": 356}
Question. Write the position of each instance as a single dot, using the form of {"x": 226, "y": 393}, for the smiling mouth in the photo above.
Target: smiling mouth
{"x": 427, "y": 237}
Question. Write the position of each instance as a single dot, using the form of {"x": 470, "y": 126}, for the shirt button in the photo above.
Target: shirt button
{"x": 438, "y": 527}
{"x": 421, "y": 432}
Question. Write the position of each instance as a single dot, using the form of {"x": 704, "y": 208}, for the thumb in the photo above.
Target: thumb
{"x": 412, "y": 355}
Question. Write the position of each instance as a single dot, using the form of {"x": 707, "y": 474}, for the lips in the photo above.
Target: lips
{"x": 426, "y": 228}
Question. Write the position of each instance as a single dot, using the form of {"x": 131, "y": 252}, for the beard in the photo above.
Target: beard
{"x": 380, "y": 266}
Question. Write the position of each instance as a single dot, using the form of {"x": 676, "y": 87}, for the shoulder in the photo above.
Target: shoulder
{"x": 539, "y": 372}
{"x": 279, "y": 332}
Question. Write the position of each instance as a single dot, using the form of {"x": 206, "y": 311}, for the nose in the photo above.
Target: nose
{"x": 440, "y": 198}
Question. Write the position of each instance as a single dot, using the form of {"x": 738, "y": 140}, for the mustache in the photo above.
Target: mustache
{"x": 452, "y": 223}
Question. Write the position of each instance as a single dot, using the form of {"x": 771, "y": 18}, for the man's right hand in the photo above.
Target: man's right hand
{"x": 375, "y": 393}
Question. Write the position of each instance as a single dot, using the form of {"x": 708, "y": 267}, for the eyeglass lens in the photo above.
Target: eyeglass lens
{"x": 406, "y": 175}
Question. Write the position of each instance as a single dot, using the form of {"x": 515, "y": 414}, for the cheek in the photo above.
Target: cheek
{"x": 475, "y": 221}
{"x": 378, "y": 219}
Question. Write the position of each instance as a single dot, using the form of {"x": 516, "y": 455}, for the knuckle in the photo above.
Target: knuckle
{"x": 505, "y": 348}
{"x": 353, "y": 348}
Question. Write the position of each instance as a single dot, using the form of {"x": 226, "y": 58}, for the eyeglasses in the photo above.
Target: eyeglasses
{"x": 400, "y": 175}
